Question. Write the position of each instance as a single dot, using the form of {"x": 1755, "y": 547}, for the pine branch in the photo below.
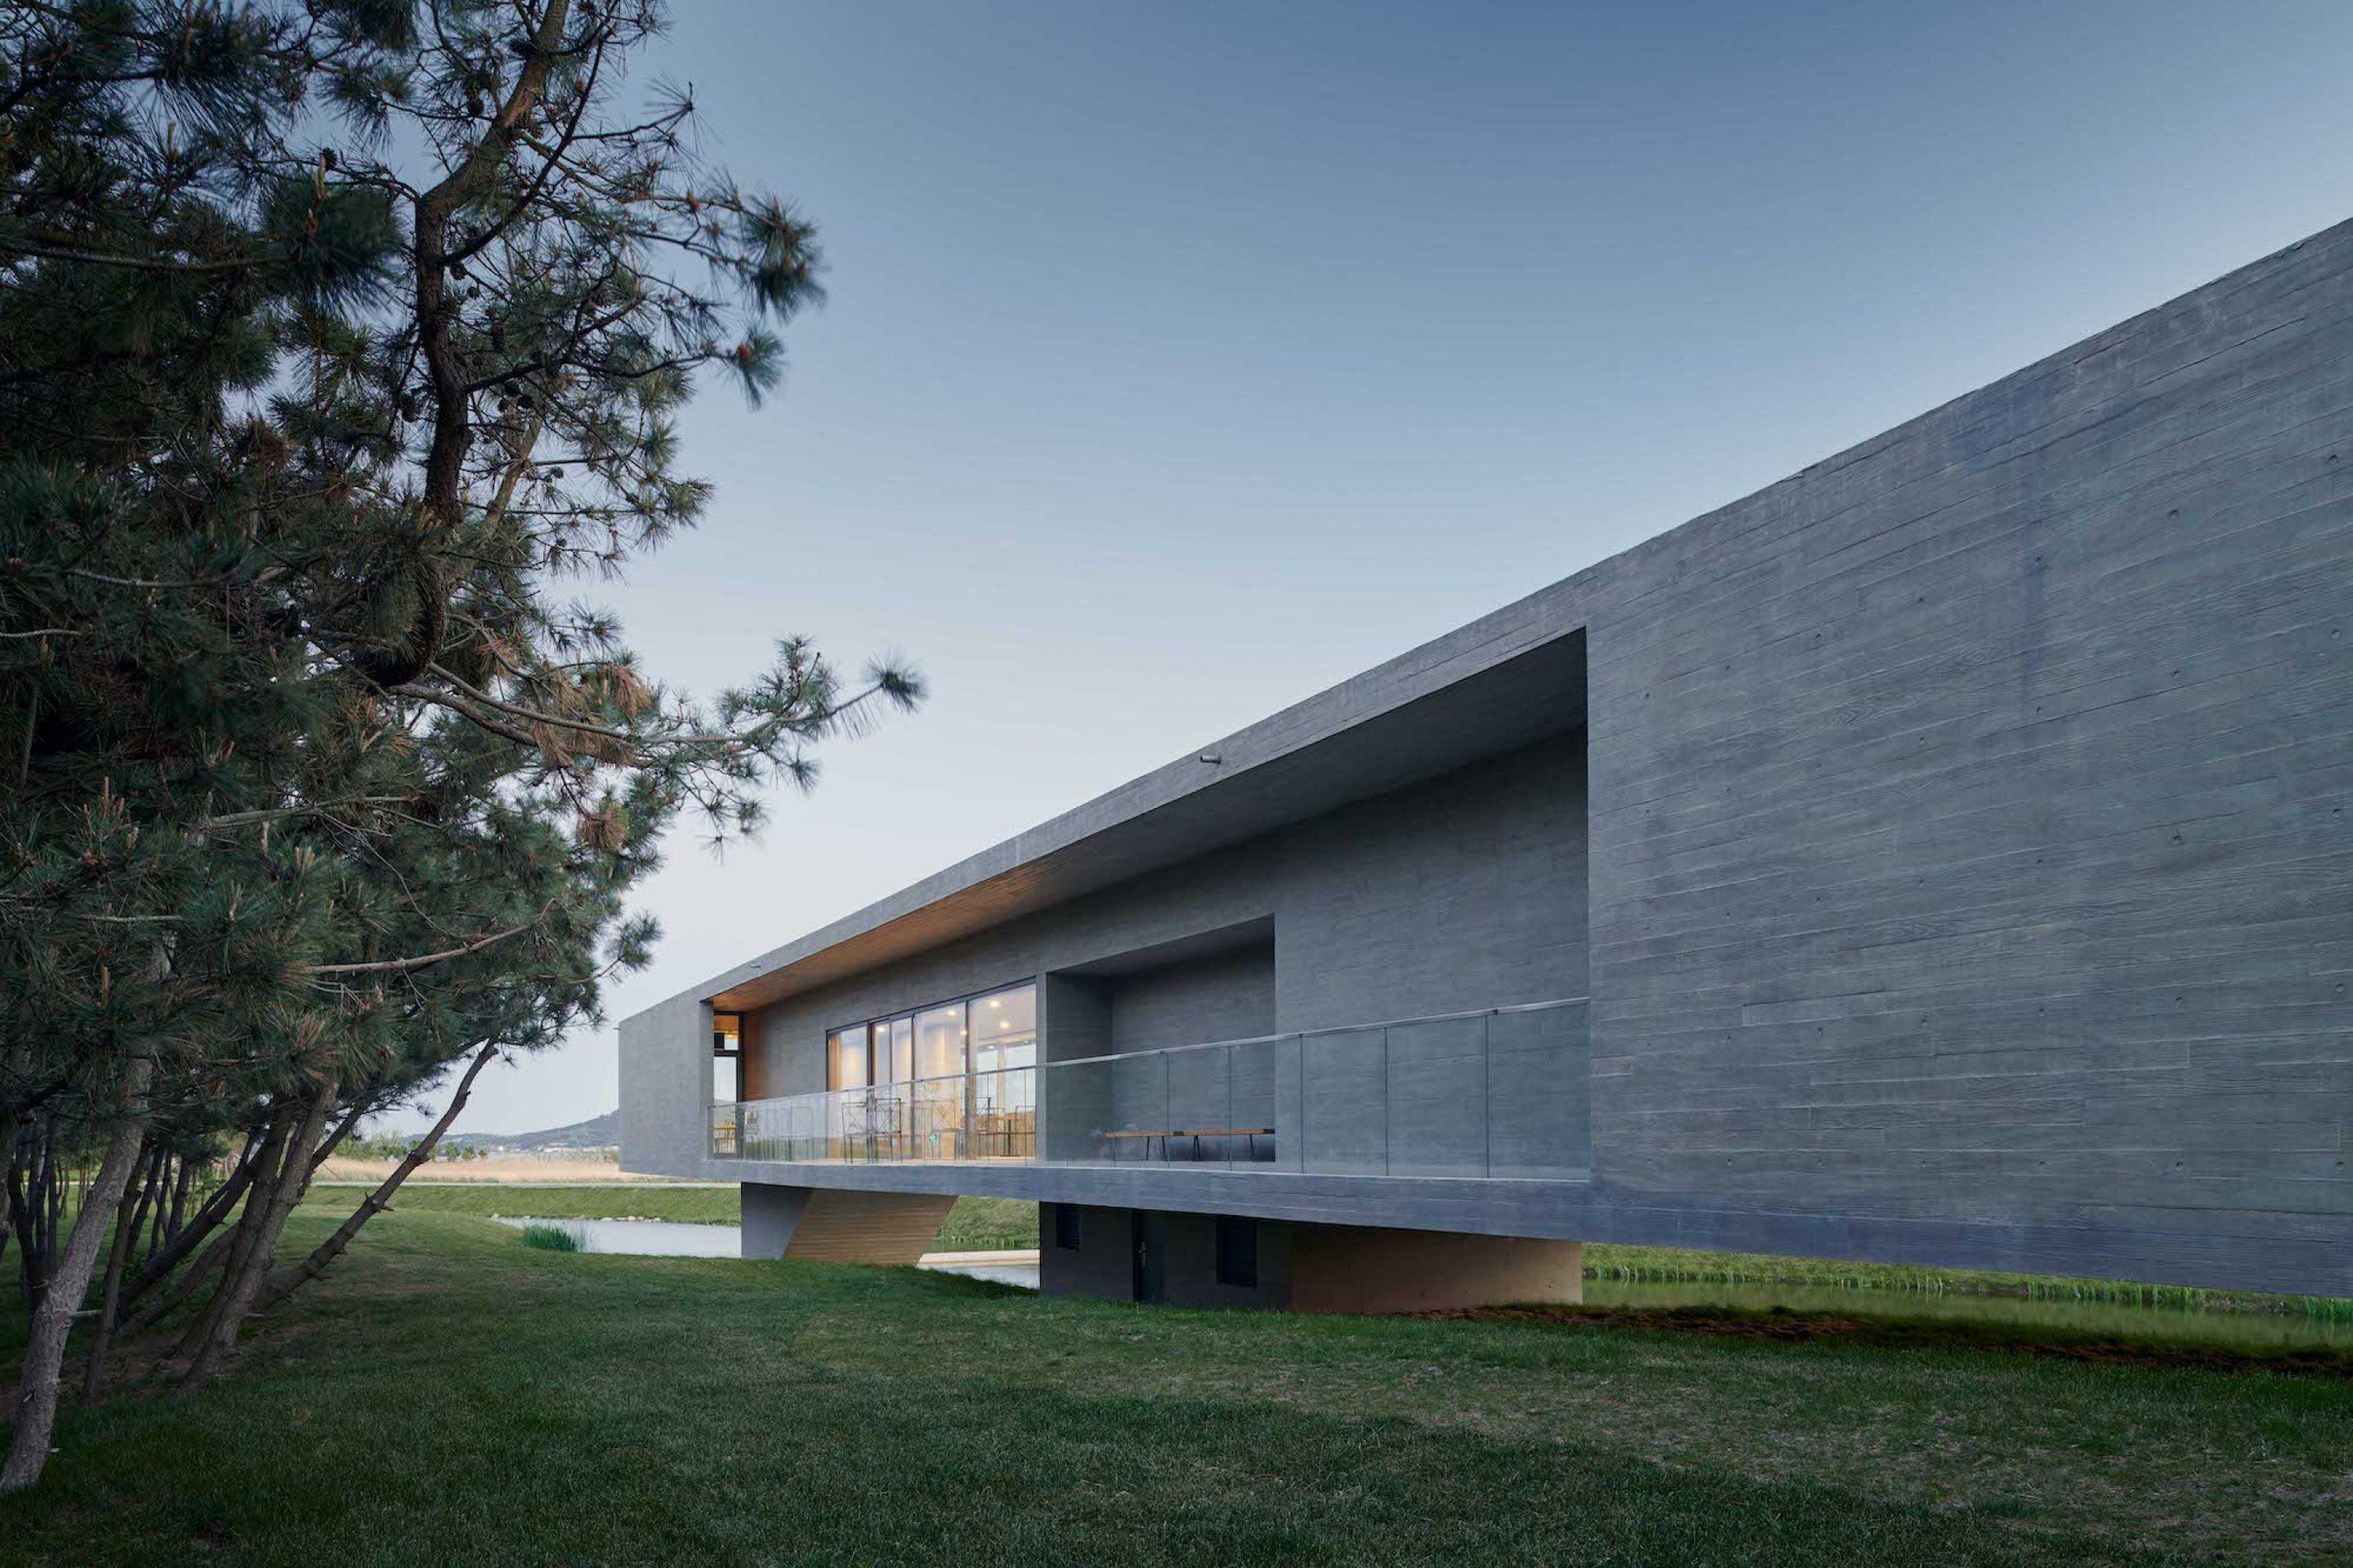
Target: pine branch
{"x": 422, "y": 960}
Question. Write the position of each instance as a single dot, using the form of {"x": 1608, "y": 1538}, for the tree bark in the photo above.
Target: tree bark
{"x": 9, "y": 1222}
{"x": 334, "y": 1140}
{"x": 126, "y": 1224}
{"x": 145, "y": 1190}
{"x": 267, "y": 1167}
{"x": 45, "y": 1350}
{"x": 242, "y": 1283}
{"x": 376, "y": 1203}
{"x": 155, "y": 1311}
{"x": 24, "y": 1212}
{"x": 208, "y": 1217}
{"x": 167, "y": 1228}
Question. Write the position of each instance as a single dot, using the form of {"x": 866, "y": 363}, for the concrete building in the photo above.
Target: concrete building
{"x": 1941, "y": 856}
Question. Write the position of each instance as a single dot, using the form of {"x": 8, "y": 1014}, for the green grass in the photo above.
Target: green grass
{"x": 615, "y": 1200}
{"x": 974, "y": 1225}
{"x": 988, "y": 1225}
{"x": 445, "y": 1395}
{"x": 1667, "y": 1264}
{"x": 550, "y": 1238}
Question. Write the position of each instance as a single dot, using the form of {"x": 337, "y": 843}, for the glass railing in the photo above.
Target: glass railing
{"x": 977, "y": 1116}
{"x": 1502, "y": 1093}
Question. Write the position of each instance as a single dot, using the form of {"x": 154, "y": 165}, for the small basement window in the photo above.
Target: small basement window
{"x": 1237, "y": 1251}
{"x": 1066, "y": 1226}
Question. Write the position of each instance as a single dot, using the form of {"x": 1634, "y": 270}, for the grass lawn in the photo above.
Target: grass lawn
{"x": 974, "y": 1225}
{"x": 451, "y": 1395}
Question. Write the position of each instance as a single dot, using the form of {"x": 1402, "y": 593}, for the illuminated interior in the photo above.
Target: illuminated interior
{"x": 726, "y": 1058}
{"x": 959, "y": 1073}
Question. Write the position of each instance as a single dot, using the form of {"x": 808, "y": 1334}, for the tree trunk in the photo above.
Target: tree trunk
{"x": 28, "y": 1212}
{"x": 126, "y": 1224}
{"x": 52, "y": 1189}
{"x": 376, "y": 1203}
{"x": 242, "y": 1284}
{"x": 45, "y": 1350}
{"x": 9, "y": 1206}
{"x": 267, "y": 1166}
{"x": 209, "y": 1215}
{"x": 168, "y": 1231}
{"x": 155, "y": 1311}
{"x": 147, "y": 1186}
{"x": 334, "y": 1140}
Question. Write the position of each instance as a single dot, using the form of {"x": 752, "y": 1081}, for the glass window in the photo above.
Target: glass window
{"x": 1066, "y": 1226}
{"x": 727, "y": 1057}
{"x": 1004, "y": 1029}
{"x": 894, "y": 1051}
{"x": 845, "y": 1058}
{"x": 970, "y": 1064}
{"x": 1237, "y": 1251}
{"x": 1004, "y": 1041}
{"x": 939, "y": 1041}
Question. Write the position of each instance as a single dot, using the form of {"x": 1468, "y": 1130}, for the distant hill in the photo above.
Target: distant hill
{"x": 596, "y": 1132}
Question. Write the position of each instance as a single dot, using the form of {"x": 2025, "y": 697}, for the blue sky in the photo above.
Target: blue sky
{"x": 1183, "y": 360}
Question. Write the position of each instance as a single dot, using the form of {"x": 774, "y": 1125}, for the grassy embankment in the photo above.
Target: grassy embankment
{"x": 449, "y": 1395}
{"x": 981, "y": 1224}
{"x": 975, "y": 1224}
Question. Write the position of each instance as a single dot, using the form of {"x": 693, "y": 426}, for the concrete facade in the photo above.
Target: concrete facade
{"x": 1951, "y": 840}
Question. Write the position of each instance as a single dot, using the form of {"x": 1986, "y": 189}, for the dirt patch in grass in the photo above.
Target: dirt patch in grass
{"x": 1884, "y": 1333}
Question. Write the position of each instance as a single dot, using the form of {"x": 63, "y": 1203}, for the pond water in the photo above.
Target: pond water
{"x": 672, "y": 1238}
{"x": 1024, "y": 1274}
{"x": 2238, "y": 1331}
{"x": 648, "y": 1238}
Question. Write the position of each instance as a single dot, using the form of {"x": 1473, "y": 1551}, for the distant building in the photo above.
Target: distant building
{"x": 1940, "y": 856}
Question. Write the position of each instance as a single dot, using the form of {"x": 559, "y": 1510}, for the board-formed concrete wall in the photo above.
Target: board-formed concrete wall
{"x": 1970, "y": 829}
{"x": 1222, "y": 996}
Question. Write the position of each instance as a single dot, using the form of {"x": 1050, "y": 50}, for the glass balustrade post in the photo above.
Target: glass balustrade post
{"x": 1487, "y": 1095}
{"x": 1290, "y": 1104}
{"x": 1389, "y": 1101}
{"x": 1226, "y": 1117}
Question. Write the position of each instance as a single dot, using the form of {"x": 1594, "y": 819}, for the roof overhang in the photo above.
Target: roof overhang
{"x": 1486, "y": 689}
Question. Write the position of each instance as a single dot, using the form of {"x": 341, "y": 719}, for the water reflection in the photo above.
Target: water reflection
{"x": 669, "y": 1238}
{"x": 646, "y": 1238}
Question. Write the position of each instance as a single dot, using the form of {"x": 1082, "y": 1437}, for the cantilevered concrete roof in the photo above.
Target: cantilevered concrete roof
{"x": 1500, "y": 682}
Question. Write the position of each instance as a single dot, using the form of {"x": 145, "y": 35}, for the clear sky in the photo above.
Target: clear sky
{"x": 1183, "y": 360}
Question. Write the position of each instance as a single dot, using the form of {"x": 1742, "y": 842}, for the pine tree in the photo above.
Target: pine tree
{"x": 334, "y": 338}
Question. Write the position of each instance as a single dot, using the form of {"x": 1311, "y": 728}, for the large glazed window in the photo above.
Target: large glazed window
{"x": 846, "y": 1063}
{"x": 1004, "y": 1082}
{"x": 894, "y": 1051}
{"x": 957, "y": 1080}
{"x": 939, "y": 1041}
{"x": 1004, "y": 1029}
{"x": 726, "y": 1058}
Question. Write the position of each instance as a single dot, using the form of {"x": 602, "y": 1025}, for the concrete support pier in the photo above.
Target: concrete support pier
{"x": 831, "y": 1224}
